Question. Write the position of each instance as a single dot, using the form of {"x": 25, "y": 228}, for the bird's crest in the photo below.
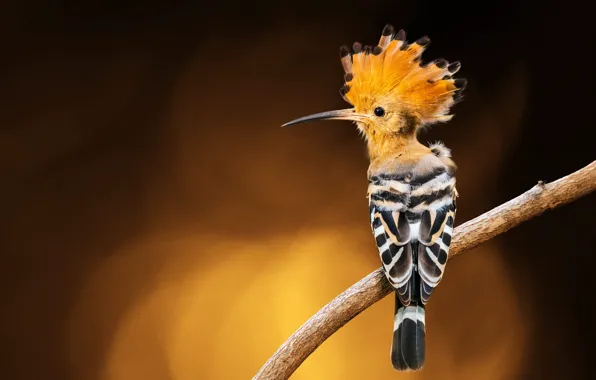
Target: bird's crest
{"x": 393, "y": 70}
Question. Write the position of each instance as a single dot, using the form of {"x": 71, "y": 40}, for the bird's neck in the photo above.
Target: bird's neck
{"x": 390, "y": 146}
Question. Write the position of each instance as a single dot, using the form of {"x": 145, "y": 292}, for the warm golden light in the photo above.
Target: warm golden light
{"x": 159, "y": 224}
{"x": 233, "y": 256}
{"x": 221, "y": 314}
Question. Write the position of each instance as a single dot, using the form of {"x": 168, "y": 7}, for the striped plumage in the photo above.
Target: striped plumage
{"x": 412, "y": 210}
{"x": 411, "y": 189}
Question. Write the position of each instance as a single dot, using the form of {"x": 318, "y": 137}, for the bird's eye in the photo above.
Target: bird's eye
{"x": 379, "y": 111}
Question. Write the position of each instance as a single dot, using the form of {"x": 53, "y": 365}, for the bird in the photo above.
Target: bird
{"x": 411, "y": 186}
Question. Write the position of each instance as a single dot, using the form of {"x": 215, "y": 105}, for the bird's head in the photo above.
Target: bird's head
{"x": 391, "y": 92}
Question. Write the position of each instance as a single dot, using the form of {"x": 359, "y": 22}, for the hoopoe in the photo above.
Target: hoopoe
{"x": 411, "y": 191}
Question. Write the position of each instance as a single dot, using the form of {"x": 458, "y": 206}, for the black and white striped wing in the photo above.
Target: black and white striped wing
{"x": 435, "y": 231}
{"x": 392, "y": 234}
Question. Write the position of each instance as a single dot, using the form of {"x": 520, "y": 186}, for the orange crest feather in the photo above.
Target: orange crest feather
{"x": 392, "y": 71}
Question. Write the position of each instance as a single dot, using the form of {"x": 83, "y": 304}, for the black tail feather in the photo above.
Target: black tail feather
{"x": 408, "y": 350}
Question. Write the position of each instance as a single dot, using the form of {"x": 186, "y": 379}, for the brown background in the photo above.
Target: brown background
{"x": 158, "y": 224}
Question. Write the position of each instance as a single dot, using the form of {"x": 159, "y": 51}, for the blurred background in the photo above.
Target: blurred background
{"x": 158, "y": 224}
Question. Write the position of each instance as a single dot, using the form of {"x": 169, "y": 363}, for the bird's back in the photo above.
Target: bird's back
{"x": 412, "y": 206}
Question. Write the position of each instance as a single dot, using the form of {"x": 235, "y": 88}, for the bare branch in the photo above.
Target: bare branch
{"x": 373, "y": 287}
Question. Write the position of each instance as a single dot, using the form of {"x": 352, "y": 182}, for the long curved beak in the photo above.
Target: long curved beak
{"x": 345, "y": 114}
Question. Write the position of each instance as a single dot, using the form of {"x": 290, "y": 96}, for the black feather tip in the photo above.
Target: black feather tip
{"x": 441, "y": 63}
{"x": 388, "y": 30}
{"x": 377, "y": 50}
{"x": 423, "y": 41}
{"x": 400, "y": 36}
{"x": 453, "y": 67}
{"x": 344, "y": 90}
{"x": 460, "y": 83}
{"x": 343, "y": 51}
{"x": 357, "y": 47}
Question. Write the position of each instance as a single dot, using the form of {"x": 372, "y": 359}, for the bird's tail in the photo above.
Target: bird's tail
{"x": 409, "y": 334}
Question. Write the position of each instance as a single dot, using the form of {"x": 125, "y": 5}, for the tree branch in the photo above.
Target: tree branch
{"x": 375, "y": 286}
